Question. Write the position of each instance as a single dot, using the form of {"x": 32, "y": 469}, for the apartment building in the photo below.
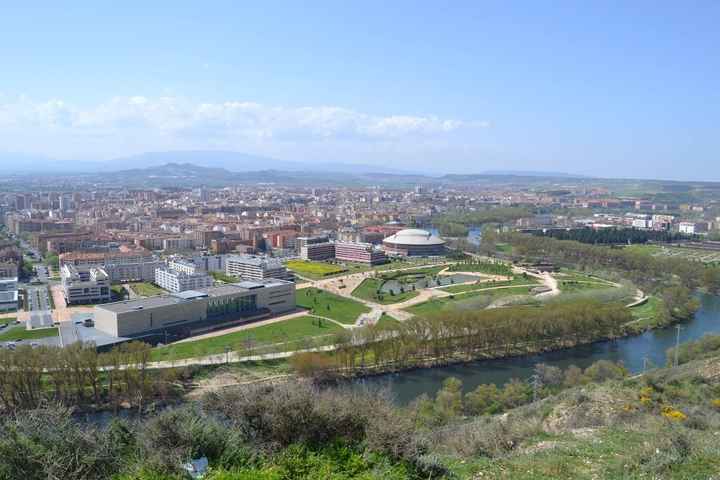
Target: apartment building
{"x": 8, "y": 294}
{"x": 122, "y": 265}
{"x": 359, "y": 252}
{"x": 318, "y": 251}
{"x": 255, "y": 267}
{"x": 85, "y": 284}
{"x": 179, "y": 281}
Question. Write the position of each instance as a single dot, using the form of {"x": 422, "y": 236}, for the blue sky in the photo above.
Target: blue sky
{"x": 602, "y": 87}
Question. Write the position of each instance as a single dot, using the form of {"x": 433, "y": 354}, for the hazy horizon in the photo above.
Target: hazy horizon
{"x": 603, "y": 89}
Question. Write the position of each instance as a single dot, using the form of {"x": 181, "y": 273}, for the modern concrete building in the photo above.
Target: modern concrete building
{"x": 85, "y": 284}
{"x": 413, "y": 242}
{"x": 179, "y": 281}
{"x": 359, "y": 252}
{"x": 256, "y": 267}
{"x": 318, "y": 251}
{"x": 8, "y": 294}
{"x": 195, "y": 311}
{"x": 301, "y": 242}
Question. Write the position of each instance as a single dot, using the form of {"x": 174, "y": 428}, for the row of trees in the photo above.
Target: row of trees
{"x": 613, "y": 236}
{"x": 489, "y": 399}
{"x": 455, "y": 224}
{"x": 78, "y": 375}
{"x": 468, "y": 334}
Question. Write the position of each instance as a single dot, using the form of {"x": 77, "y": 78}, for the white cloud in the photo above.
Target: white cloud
{"x": 176, "y": 116}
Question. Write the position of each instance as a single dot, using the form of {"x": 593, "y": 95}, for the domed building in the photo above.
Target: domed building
{"x": 413, "y": 242}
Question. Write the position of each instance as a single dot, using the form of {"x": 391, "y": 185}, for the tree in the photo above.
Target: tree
{"x": 484, "y": 400}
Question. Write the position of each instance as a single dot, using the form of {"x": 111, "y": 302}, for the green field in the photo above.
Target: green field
{"x": 19, "y": 333}
{"x": 647, "y": 313}
{"x": 369, "y": 288}
{"x": 292, "y": 333}
{"x": 5, "y": 321}
{"x": 695, "y": 254}
{"x": 329, "y": 305}
{"x": 490, "y": 268}
{"x": 572, "y": 286}
{"x": 436, "y": 305}
{"x": 386, "y": 321}
{"x": 223, "y": 277}
{"x": 519, "y": 280}
{"x": 311, "y": 269}
{"x": 145, "y": 289}
{"x": 415, "y": 272}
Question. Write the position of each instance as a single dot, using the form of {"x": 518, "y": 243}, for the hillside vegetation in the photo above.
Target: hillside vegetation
{"x": 591, "y": 424}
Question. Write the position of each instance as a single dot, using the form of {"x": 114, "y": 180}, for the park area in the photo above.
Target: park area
{"x": 146, "y": 289}
{"x": 293, "y": 334}
{"x": 371, "y": 290}
{"x": 688, "y": 253}
{"x": 470, "y": 299}
{"x": 326, "y": 304}
{"x": 19, "y": 332}
{"x": 314, "y": 270}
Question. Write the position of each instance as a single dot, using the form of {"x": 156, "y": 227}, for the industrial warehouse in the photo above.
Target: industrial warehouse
{"x": 192, "y": 312}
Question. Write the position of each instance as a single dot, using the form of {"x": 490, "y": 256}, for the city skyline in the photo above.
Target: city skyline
{"x": 610, "y": 90}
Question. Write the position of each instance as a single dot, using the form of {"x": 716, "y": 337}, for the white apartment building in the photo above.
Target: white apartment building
{"x": 8, "y": 294}
{"x": 85, "y": 284}
{"x": 255, "y": 267}
{"x": 185, "y": 266}
{"x": 176, "y": 281}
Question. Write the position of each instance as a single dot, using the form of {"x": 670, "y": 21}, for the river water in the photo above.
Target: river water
{"x": 406, "y": 386}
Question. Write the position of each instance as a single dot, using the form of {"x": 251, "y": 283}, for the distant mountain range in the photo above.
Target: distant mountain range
{"x": 230, "y": 161}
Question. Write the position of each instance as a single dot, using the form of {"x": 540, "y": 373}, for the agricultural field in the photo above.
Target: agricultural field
{"x": 326, "y": 304}
{"x": 369, "y": 290}
{"x": 291, "y": 334}
{"x": 314, "y": 270}
{"x": 146, "y": 289}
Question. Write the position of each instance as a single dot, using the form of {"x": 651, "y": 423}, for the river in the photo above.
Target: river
{"x": 406, "y": 386}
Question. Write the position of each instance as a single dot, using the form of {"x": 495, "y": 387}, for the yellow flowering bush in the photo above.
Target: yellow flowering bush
{"x": 716, "y": 403}
{"x": 673, "y": 414}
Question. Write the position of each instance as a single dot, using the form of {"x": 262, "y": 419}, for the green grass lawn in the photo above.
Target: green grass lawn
{"x": 415, "y": 272}
{"x": 490, "y": 268}
{"x": 518, "y": 280}
{"x": 223, "y": 277}
{"x": 5, "y": 321}
{"x": 436, "y": 305}
{"x": 327, "y": 304}
{"x": 386, "y": 321}
{"x": 146, "y": 289}
{"x": 646, "y": 313}
{"x": 19, "y": 333}
{"x": 572, "y": 286}
{"x": 368, "y": 290}
{"x": 291, "y": 332}
{"x": 314, "y": 270}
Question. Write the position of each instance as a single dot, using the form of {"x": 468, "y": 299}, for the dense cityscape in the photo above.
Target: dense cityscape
{"x": 359, "y": 240}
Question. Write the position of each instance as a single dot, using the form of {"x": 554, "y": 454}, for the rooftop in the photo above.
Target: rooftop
{"x": 414, "y": 236}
